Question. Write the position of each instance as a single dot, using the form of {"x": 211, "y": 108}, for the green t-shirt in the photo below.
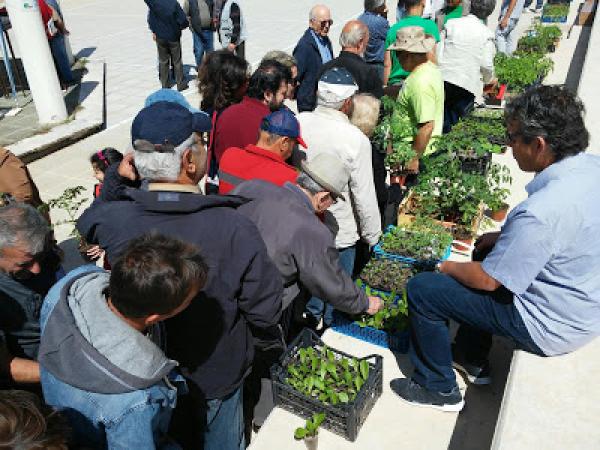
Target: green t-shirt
{"x": 398, "y": 73}
{"x": 453, "y": 13}
{"x": 422, "y": 96}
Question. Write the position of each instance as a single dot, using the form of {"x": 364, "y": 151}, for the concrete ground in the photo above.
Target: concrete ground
{"x": 116, "y": 32}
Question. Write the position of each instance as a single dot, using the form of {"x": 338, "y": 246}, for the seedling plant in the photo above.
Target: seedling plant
{"x": 395, "y": 130}
{"x": 311, "y": 428}
{"x": 320, "y": 375}
{"x": 69, "y": 201}
{"x": 521, "y": 71}
{"x": 555, "y": 11}
{"x": 392, "y": 318}
{"x": 423, "y": 239}
{"x": 386, "y": 275}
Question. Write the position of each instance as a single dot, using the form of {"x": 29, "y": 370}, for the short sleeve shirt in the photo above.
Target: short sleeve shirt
{"x": 398, "y": 73}
{"x": 453, "y": 13}
{"x": 548, "y": 255}
{"x": 423, "y": 97}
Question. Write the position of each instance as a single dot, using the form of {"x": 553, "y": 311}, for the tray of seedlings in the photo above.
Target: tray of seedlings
{"x": 312, "y": 378}
{"x": 386, "y": 279}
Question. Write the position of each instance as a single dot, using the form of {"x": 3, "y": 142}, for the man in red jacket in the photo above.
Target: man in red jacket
{"x": 279, "y": 134}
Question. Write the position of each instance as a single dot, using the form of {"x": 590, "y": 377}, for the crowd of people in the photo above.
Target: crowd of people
{"x": 223, "y": 231}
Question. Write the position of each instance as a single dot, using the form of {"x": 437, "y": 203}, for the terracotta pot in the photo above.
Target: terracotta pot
{"x": 500, "y": 214}
{"x": 398, "y": 179}
{"x": 312, "y": 442}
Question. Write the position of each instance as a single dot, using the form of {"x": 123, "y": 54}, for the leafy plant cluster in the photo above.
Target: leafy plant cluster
{"x": 395, "y": 130}
{"x": 320, "y": 375}
{"x": 422, "y": 239}
{"x": 446, "y": 192}
{"x": 386, "y": 274}
{"x": 540, "y": 39}
{"x": 482, "y": 128}
{"x": 392, "y": 318}
{"x": 69, "y": 201}
{"x": 311, "y": 428}
{"x": 555, "y": 10}
{"x": 521, "y": 70}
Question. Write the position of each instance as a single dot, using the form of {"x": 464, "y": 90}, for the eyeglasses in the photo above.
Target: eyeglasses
{"x": 324, "y": 23}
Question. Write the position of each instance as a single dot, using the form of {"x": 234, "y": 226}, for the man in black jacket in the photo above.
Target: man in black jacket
{"x": 166, "y": 19}
{"x": 354, "y": 40}
{"x": 213, "y": 338}
{"x": 312, "y": 51}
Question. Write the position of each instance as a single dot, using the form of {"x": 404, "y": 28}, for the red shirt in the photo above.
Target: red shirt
{"x": 253, "y": 163}
{"x": 46, "y": 13}
{"x": 238, "y": 125}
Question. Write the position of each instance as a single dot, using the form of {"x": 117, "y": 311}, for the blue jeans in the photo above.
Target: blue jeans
{"x": 315, "y": 306}
{"x": 506, "y": 39}
{"x": 433, "y": 298}
{"x": 203, "y": 43}
{"x": 61, "y": 59}
{"x": 225, "y": 423}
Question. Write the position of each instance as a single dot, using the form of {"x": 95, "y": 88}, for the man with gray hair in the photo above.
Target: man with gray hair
{"x": 213, "y": 338}
{"x": 354, "y": 40}
{"x": 28, "y": 269}
{"x": 303, "y": 249}
{"x": 312, "y": 51}
{"x": 375, "y": 18}
{"x": 328, "y": 130}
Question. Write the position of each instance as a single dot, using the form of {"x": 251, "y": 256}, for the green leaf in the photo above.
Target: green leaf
{"x": 318, "y": 419}
{"x": 358, "y": 382}
{"x": 300, "y": 433}
{"x": 364, "y": 369}
{"x": 343, "y": 397}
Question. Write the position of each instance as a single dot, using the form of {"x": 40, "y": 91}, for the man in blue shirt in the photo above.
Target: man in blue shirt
{"x": 539, "y": 284}
{"x": 375, "y": 18}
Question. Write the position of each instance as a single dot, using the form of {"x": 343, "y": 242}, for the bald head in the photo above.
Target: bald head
{"x": 354, "y": 37}
{"x": 320, "y": 19}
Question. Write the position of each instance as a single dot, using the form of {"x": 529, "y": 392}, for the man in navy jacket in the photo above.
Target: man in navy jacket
{"x": 312, "y": 51}
{"x": 166, "y": 19}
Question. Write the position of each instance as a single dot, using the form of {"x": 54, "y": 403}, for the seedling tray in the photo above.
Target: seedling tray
{"x": 342, "y": 419}
{"x": 479, "y": 165}
{"x": 396, "y": 342}
{"x": 546, "y": 19}
{"x": 381, "y": 253}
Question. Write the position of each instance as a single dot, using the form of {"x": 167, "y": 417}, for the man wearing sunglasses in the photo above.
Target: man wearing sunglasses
{"x": 312, "y": 51}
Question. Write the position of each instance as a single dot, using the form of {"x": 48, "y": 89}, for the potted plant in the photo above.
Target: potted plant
{"x": 521, "y": 71}
{"x": 555, "y": 12}
{"x": 310, "y": 432}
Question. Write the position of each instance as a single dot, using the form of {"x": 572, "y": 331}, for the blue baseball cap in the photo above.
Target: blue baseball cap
{"x": 284, "y": 123}
{"x": 168, "y": 122}
{"x": 169, "y": 95}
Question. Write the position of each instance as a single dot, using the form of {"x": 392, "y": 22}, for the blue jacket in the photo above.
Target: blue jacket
{"x": 113, "y": 383}
{"x": 309, "y": 65}
{"x": 166, "y": 19}
{"x": 211, "y": 339}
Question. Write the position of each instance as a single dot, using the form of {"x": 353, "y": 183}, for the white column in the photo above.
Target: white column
{"x": 39, "y": 67}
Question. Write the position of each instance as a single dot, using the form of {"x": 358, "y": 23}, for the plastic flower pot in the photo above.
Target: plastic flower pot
{"x": 312, "y": 442}
{"x": 499, "y": 215}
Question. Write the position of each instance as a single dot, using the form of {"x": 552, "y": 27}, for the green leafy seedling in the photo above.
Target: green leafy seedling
{"x": 311, "y": 427}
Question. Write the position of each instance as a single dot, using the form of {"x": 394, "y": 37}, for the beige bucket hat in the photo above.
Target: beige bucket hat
{"x": 329, "y": 172}
{"x": 413, "y": 40}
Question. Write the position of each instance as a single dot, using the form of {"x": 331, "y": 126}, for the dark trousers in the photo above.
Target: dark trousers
{"x": 433, "y": 298}
{"x": 458, "y": 102}
{"x": 169, "y": 53}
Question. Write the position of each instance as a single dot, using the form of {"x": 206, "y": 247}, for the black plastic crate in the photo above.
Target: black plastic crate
{"x": 342, "y": 419}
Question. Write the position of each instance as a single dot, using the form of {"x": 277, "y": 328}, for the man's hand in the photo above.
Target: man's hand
{"x": 413, "y": 166}
{"x": 486, "y": 241}
{"x": 504, "y": 22}
{"x": 127, "y": 168}
{"x": 94, "y": 252}
{"x": 375, "y": 305}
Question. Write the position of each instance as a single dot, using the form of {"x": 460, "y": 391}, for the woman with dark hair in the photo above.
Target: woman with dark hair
{"x": 465, "y": 56}
{"x": 222, "y": 81}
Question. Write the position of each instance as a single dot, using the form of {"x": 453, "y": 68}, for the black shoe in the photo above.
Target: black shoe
{"x": 476, "y": 373}
{"x": 414, "y": 393}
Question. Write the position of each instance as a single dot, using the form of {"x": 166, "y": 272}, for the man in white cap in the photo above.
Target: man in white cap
{"x": 328, "y": 130}
{"x": 304, "y": 252}
{"x": 422, "y": 94}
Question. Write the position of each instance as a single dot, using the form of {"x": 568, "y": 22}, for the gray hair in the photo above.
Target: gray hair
{"x": 365, "y": 113}
{"x": 306, "y": 182}
{"x": 23, "y": 224}
{"x": 373, "y": 5}
{"x": 312, "y": 15}
{"x": 353, "y": 36}
{"x": 482, "y": 8}
{"x": 281, "y": 57}
{"x": 161, "y": 166}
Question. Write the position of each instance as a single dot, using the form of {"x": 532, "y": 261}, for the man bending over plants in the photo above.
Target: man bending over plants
{"x": 539, "y": 283}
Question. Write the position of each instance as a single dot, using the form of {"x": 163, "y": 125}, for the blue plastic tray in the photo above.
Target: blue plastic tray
{"x": 381, "y": 253}
{"x": 397, "y": 342}
{"x": 562, "y": 19}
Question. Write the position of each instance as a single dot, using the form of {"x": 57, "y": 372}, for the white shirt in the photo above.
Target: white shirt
{"x": 466, "y": 53}
{"x": 330, "y": 131}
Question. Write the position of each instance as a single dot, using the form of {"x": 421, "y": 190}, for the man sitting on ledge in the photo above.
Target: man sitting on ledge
{"x": 540, "y": 282}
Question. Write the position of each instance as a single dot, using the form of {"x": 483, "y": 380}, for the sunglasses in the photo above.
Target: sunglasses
{"x": 324, "y": 23}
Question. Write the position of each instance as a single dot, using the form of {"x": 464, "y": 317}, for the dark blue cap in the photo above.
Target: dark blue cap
{"x": 337, "y": 75}
{"x": 284, "y": 123}
{"x": 170, "y": 122}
